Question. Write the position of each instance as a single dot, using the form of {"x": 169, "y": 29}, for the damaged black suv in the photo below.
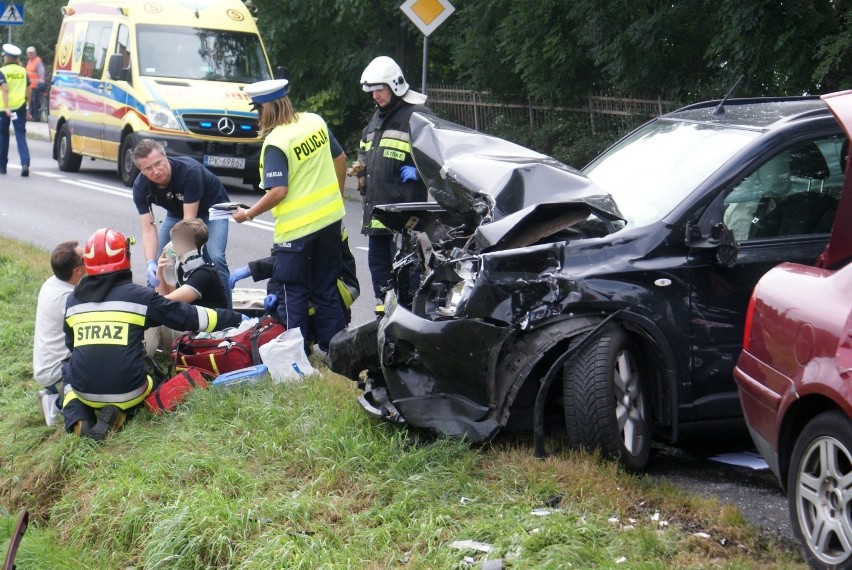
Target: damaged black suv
{"x": 608, "y": 302}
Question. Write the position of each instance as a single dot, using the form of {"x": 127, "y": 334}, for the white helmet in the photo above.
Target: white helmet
{"x": 385, "y": 71}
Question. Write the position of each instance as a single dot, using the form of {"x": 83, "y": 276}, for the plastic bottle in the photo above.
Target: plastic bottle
{"x": 169, "y": 271}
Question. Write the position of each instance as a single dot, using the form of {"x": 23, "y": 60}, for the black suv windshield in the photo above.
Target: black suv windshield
{"x": 652, "y": 170}
{"x": 194, "y": 53}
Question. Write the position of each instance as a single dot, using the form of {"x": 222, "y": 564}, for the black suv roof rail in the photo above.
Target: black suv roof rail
{"x": 745, "y": 101}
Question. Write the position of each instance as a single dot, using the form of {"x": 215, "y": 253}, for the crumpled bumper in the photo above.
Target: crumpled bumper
{"x": 435, "y": 375}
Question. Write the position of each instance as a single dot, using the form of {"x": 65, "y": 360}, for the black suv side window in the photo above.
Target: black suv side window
{"x": 793, "y": 193}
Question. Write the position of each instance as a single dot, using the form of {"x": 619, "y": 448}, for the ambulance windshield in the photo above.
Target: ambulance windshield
{"x": 192, "y": 53}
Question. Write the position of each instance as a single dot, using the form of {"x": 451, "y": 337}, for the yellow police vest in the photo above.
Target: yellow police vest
{"x": 16, "y": 81}
{"x": 313, "y": 195}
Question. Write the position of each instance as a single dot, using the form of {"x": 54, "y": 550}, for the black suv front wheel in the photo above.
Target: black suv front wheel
{"x": 606, "y": 401}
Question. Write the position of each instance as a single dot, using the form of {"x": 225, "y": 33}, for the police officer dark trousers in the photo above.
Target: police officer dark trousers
{"x": 14, "y": 99}
{"x": 303, "y": 170}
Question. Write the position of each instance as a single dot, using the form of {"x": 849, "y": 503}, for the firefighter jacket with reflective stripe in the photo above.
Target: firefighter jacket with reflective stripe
{"x": 104, "y": 326}
{"x": 16, "y": 82}
{"x": 385, "y": 147}
{"x": 313, "y": 192}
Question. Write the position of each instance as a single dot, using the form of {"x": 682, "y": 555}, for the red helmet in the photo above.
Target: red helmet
{"x": 106, "y": 251}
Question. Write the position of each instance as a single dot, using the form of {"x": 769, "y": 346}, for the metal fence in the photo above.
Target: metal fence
{"x": 482, "y": 111}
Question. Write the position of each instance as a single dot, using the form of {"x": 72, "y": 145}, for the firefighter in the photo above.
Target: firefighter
{"x": 385, "y": 167}
{"x": 14, "y": 88}
{"x": 105, "y": 319}
{"x": 303, "y": 169}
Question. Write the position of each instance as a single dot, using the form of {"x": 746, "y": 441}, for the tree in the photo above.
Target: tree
{"x": 522, "y": 49}
{"x": 326, "y": 44}
{"x": 792, "y": 47}
{"x": 42, "y": 20}
{"x": 652, "y": 48}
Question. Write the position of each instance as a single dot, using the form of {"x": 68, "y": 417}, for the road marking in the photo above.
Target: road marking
{"x": 257, "y": 225}
{"x": 122, "y": 189}
{"x": 125, "y": 193}
{"x": 95, "y": 188}
{"x": 362, "y": 248}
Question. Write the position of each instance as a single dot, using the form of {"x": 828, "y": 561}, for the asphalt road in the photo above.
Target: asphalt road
{"x": 52, "y": 206}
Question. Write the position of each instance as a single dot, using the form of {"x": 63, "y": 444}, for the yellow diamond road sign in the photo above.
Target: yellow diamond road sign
{"x": 427, "y": 14}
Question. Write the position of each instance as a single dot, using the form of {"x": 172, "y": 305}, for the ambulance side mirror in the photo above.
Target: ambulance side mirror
{"x": 116, "y": 69}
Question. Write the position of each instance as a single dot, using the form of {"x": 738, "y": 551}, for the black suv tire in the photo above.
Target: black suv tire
{"x": 606, "y": 401}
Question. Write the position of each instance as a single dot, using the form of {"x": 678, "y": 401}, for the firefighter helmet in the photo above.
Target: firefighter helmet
{"x": 106, "y": 251}
{"x": 385, "y": 71}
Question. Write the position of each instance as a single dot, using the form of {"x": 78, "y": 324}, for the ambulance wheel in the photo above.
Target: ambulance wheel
{"x": 127, "y": 170}
{"x": 68, "y": 160}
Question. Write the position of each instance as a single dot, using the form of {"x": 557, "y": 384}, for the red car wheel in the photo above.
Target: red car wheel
{"x": 819, "y": 490}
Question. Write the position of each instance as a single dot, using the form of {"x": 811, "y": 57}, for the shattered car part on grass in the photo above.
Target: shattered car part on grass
{"x": 524, "y": 271}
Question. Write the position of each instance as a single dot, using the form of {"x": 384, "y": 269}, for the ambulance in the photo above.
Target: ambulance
{"x": 169, "y": 70}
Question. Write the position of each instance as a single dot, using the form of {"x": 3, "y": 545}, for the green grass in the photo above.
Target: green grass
{"x": 297, "y": 476}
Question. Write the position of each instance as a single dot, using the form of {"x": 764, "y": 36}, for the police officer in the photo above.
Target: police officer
{"x": 105, "y": 318}
{"x": 388, "y": 175}
{"x": 15, "y": 100}
{"x": 303, "y": 170}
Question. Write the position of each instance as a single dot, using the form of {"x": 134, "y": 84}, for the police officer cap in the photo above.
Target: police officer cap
{"x": 11, "y": 51}
{"x": 266, "y": 91}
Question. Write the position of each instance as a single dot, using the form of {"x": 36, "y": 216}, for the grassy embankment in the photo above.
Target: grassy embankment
{"x": 296, "y": 476}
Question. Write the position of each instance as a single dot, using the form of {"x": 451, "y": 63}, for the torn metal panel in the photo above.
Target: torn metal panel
{"x": 466, "y": 170}
{"x": 440, "y": 375}
{"x": 354, "y": 350}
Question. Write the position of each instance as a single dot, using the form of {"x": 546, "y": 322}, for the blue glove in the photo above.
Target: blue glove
{"x": 151, "y": 274}
{"x": 270, "y": 302}
{"x": 238, "y": 274}
{"x": 408, "y": 174}
{"x": 244, "y": 318}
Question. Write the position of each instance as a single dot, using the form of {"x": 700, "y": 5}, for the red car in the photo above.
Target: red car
{"x": 795, "y": 381}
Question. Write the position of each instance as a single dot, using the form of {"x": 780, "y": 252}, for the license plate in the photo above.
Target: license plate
{"x": 224, "y": 162}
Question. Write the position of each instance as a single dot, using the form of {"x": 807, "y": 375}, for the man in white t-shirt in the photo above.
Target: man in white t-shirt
{"x": 49, "y": 350}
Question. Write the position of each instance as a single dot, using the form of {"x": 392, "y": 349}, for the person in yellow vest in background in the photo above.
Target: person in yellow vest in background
{"x": 36, "y": 75}
{"x": 303, "y": 169}
{"x": 15, "y": 92}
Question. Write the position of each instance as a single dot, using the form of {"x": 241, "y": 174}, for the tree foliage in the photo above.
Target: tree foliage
{"x": 552, "y": 51}
{"x": 42, "y": 19}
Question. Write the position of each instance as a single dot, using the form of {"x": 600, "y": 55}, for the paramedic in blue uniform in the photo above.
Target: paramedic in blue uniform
{"x": 105, "y": 318}
{"x": 303, "y": 170}
{"x": 186, "y": 190}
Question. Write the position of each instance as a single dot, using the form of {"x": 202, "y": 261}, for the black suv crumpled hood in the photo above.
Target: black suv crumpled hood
{"x": 468, "y": 171}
